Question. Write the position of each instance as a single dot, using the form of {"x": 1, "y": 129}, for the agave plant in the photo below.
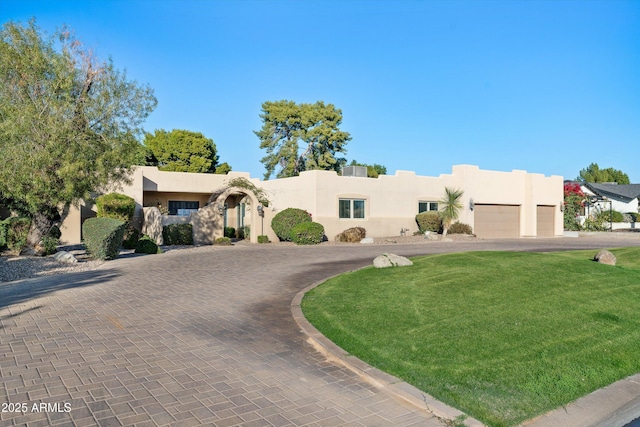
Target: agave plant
{"x": 450, "y": 207}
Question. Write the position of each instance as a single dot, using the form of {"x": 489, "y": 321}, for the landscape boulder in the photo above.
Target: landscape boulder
{"x": 605, "y": 257}
{"x": 391, "y": 260}
{"x": 65, "y": 257}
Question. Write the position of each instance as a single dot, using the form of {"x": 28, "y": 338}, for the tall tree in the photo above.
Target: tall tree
{"x": 68, "y": 123}
{"x": 373, "y": 171}
{"x": 181, "y": 151}
{"x": 593, "y": 173}
{"x": 299, "y": 137}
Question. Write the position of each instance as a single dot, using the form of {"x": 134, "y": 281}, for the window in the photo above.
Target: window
{"x": 182, "y": 208}
{"x": 427, "y": 206}
{"x": 351, "y": 208}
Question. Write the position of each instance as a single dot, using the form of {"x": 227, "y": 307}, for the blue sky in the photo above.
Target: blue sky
{"x": 544, "y": 86}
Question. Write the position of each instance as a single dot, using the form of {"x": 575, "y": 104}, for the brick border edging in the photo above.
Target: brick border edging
{"x": 381, "y": 380}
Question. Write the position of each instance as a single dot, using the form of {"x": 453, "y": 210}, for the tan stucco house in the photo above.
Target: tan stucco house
{"x": 496, "y": 204}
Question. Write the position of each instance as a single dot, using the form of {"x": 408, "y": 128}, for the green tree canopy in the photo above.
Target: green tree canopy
{"x": 373, "y": 171}
{"x": 181, "y": 151}
{"x": 593, "y": 173}
{"x": 68, "y": 123}
{"x": 299, "y": 137}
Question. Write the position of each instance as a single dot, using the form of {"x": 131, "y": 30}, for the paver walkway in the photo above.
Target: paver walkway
{"x": 197, "y": 337}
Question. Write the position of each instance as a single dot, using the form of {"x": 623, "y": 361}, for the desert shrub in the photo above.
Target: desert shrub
{"x": 244, "y": 232}
{"x": 460, "y": 228}
{"x": 116, "y": 206}
{"x": 147, "y": 246}
{"x": 352, "y": 235}
{"x": 223, "y": 241}
{"x": 103, "y": 237}
{"x": 263, "y": 239}
{"x": 595, "y": 224}
{"x": 13, "y": 233}
{"x": 307, "y": 233}
{"x": 429, "y": 221}
{"x": 50, "y": 245}
{"x": 230, "y": 232}
{"x": 131, "y": 237}
{"x": 615, "y": 216}
{"x": 177, "y": 234}
{"x": 284, "y": 222}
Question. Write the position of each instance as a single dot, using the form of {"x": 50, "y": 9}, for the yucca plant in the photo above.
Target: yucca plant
{"x": 450, "y": 207}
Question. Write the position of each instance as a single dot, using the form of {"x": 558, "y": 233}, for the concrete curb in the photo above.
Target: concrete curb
{"x": 392, "y": 385}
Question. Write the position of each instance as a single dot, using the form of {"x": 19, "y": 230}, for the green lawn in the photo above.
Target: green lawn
{"x": 502, "y": 336}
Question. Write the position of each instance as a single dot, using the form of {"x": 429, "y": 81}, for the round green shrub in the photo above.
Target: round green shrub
{"x": 131, "y": 237}
{"x": 284, "y": 222}
{"x": 116, "y": 206}
{"x": 307, "y": 233}
{"x": 177, "y": 234}
{"x": 230, "y": 232}
{"x": 429, "y": 221}
{"x": 606, "y": 215}
{"x": 460, "y": 228}
{"x": 50, "y": 245}
{"x": 147, "y": 246}
{"x": 223, "y": 241}
{"x": 263, "y": 239}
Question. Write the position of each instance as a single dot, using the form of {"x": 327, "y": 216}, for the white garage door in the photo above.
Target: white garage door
{"x": 497, "y": 221}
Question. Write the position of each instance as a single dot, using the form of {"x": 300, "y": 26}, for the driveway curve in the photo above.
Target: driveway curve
{"x": 203, "y": 336}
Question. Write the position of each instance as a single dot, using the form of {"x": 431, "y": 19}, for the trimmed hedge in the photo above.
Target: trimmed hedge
{"x": 605, "y": 215}
{"x": 429, "y": 221}
{"x": 177, "y": 234}
{"x": 103, "y": 237}
{"x": 223, "y": 241}
{"x": 263, "y": 239}
{"x": 460, "y": 228}
{"x": 131, "y": 237}
{"x": 147, "y": 246}
{"x": 230, "y": 232}
{"x": 117, "y": 206}
{"x": 307, "y": 233}
{"x": 284, "y": 222}
{"x": 13, "y": 233}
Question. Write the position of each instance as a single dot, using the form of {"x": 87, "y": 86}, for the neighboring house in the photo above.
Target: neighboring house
{"x": 495, "y": 204}
{"x": 605, "y": 196}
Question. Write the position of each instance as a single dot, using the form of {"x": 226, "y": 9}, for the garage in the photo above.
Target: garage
{"x": 497, "y": 221}
{"x": 545, "y": 220}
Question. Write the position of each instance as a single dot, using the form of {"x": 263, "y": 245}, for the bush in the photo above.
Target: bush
{"x": 244, "y": 232}
{"x": 230, "y": 232}
{"x": 177, "y": 234}
{"x": 263, "y": 239}
{"x": 429, "y": 221}
{"x": 131, "y": 237}
{"x": 13, "y": 233}
{"x": 103, "y": 237}
{"x": 50, "y": 245}
{"x": 116, "y": 206}
{"x": 147, "y": 246}
{"x": 223, "y": 241}
{"x": 307, "y": 233}
{"x": 352, "y": 235}
{"x": 605, "y": 215}
{"x": 284, "y": 222}
{"x": 460, "y": 228}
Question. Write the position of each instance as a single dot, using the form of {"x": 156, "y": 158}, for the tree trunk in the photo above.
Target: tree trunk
{"x": 40, "y": 226}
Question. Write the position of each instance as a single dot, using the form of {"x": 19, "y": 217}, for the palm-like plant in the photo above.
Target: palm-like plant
{"x": 450, "y": 207}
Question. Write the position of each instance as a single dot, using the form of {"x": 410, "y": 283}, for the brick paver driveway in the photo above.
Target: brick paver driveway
{"x": 195, "y": 337}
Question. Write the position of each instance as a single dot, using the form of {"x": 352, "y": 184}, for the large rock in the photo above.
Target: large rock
{"x": 65, "y": 257}
{"x": 391, "y": 260}
{"x": 605, "y": 257}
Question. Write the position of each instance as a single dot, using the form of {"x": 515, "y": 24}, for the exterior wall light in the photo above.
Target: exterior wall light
{"x": 471, "y": 204}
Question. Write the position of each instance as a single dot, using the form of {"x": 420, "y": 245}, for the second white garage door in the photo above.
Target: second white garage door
{"x": 497, "y": 221}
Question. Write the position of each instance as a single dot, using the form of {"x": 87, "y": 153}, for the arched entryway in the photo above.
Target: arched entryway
{"x": 238, "y": 208}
